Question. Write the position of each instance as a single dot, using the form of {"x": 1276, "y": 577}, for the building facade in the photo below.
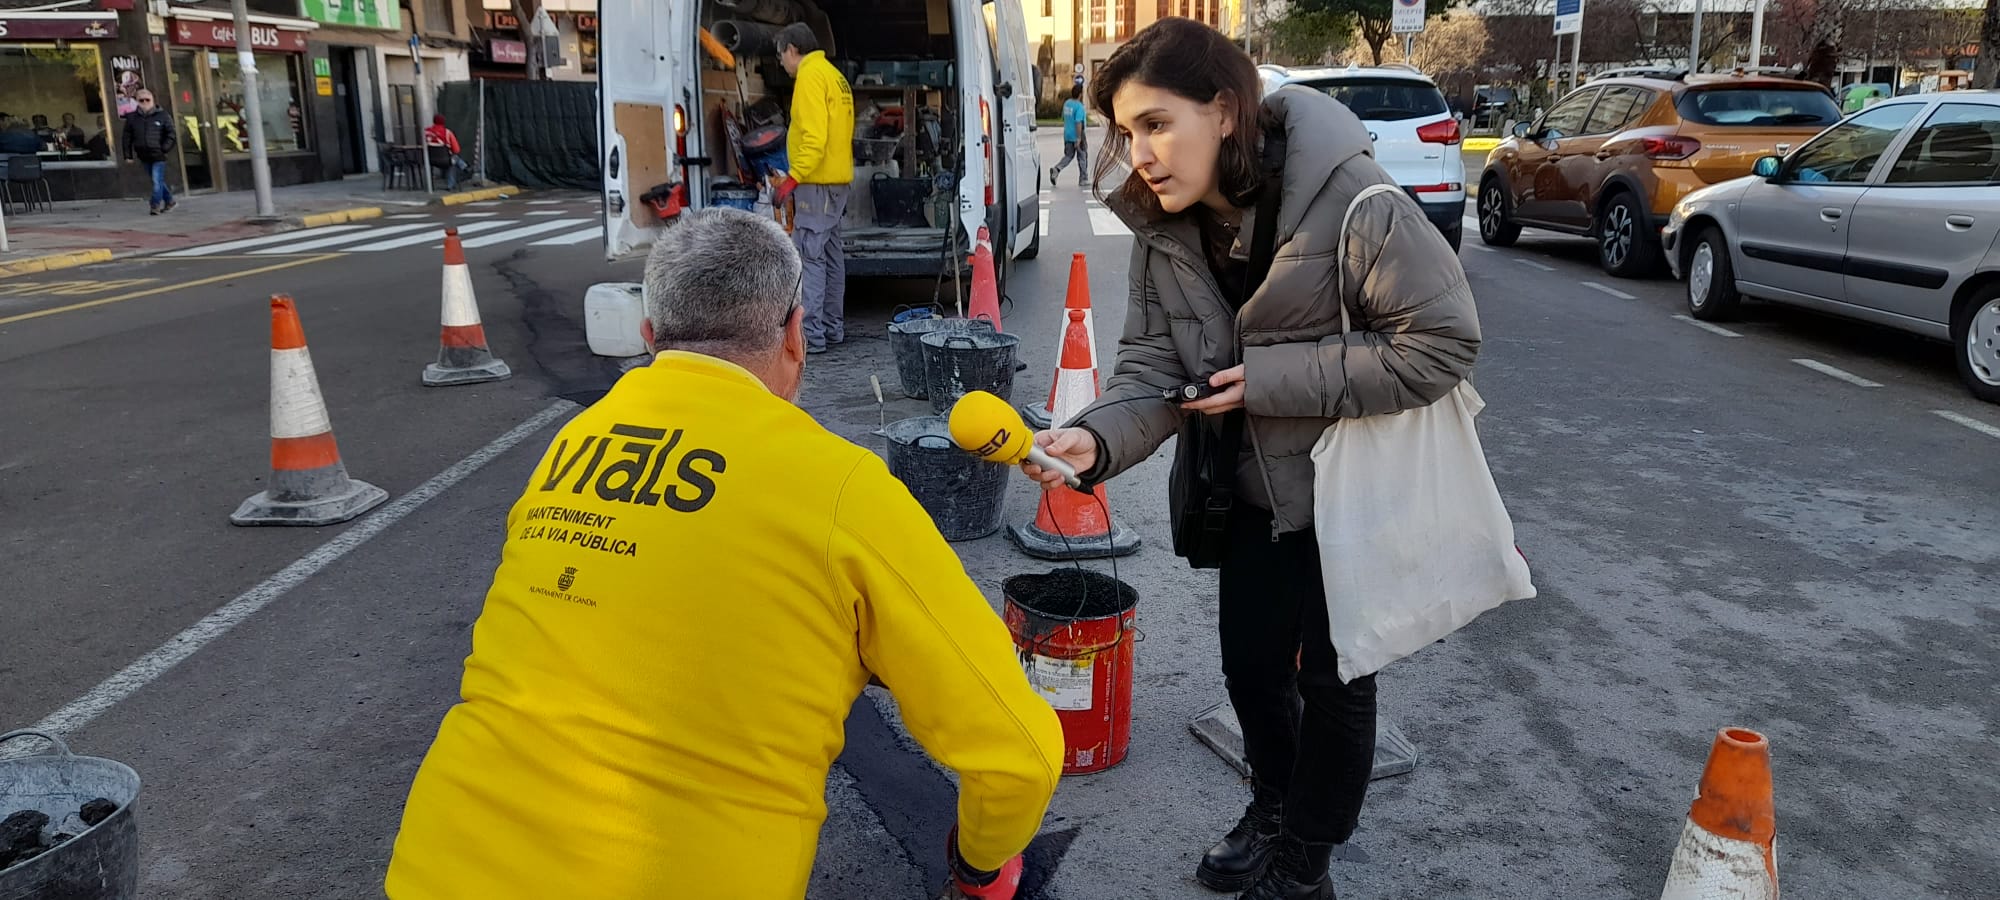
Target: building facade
{"x": 1072, "y": 38}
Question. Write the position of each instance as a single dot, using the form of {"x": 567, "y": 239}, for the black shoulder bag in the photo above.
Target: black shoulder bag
{"x": 1201, "y": 491}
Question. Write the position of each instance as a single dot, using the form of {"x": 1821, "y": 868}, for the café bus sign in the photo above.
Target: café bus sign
{"x": 201, "y": 33}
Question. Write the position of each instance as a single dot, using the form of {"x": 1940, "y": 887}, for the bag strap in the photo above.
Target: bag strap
{"x": 1263, "y": 246}
{"x": 1340, "y": 262}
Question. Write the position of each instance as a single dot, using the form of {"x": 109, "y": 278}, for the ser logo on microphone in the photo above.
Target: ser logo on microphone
{"x": 995, "y": 445}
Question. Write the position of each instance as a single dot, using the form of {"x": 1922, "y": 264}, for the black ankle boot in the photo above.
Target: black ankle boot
{"x": 1236, "y": 861}
{"x": 1297, "y": 872}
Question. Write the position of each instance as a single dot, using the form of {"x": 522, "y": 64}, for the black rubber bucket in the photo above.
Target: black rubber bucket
{"x": 101, "y": 861}
{"x": 957, "y": 363}
{"x": 906, "y": 341}
{"x": 962, "y": 492}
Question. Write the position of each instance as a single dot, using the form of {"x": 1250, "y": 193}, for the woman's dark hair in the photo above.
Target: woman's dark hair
{"x": 1194, "y": 61}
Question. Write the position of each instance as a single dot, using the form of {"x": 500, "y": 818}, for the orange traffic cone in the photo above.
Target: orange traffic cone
{"x": 309, "y": 484}
{"x": 1078, "y": 298}
{"x": 1069, "y": 524}
{"x": 985, "y": 284}
{"x": 462, "y": 354}
{"x": 1728, "y": 847}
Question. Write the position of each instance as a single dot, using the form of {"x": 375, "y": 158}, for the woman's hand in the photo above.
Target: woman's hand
{"x": 1076, "y": 446}
{"x": 1231, "y": 397}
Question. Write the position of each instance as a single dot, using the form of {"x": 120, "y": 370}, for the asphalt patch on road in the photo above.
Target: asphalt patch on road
{"x": 918, "y": 806}
{"x": 555, "y": 335}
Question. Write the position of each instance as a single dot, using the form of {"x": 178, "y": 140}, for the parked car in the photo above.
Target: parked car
{"x": 1416, "y": 136}
{"x": 1610, "y": 160}
{"x": 1890, "y": 217}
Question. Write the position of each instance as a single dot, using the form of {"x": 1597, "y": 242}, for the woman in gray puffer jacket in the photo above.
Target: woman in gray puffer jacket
{"x": 1184, "y": 105}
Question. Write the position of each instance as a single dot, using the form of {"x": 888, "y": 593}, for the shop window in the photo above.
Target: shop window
{"x": 52, "y": 103}
{"x": 278, "y": 97}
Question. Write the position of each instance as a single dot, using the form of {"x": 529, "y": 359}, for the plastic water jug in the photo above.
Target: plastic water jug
{"x": 612, "y": 312}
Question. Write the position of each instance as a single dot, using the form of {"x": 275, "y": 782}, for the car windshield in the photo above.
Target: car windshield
{"x": 1384, "y": 99}
{"x": 1755, "y": 107}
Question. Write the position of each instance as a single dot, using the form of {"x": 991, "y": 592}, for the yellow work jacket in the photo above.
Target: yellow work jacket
{"x": 695, "y": 587}
{"x": 820, "y": 145}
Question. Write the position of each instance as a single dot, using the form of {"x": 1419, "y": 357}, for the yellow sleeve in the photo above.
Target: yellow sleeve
{"x": 806, "y": 144}
{"x": 931, "y": 637}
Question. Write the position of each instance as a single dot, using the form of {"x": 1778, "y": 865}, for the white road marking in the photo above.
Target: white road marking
{"x": 409, "y": 216}
{"x": 592, "y": 233}
{"x": 1045, "y": 223}
{"x": 501, "y": 237}
{"x": 485, "y": 203}
{"x": 349, "y": 238}
{"x": 472, "y": 215}
{"x": 1992, "y": 431}
{"x": 435, "y": 234}
{"x": 143, "y": 671}
{"x": 1472, "y": 221}
{"x": 227, "y": 246}
{"x": 1609, "y": 290}
{"x": 1841, "y": 374}
{"x": 542, "y": 202}
{"x": 545, "y": 212}
{"x": 1535, "y": 265}
{"x": 1705, "y": 326}
{"x": 1105, "y": 223}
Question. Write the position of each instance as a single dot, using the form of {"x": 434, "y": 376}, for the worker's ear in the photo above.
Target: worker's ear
{"x": 646, "y": 332}
{"x": 795, "y": 335}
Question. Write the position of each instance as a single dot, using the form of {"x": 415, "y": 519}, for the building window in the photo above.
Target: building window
{"x": 1128, "y": 12}
{"x": 437, "y": 16}
{"x": 1097, "y": 17}
{"x": 53, "y": 98}
{"x": 1048, "y": 9}
{"x": 278, "y": 98}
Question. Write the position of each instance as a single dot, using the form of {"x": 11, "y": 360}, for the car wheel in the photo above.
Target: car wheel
{"x": 1975, "y": 331}
{"x": 1496, "y": 220}
{"x": 1624, "y": 248}
{"x": 1711, "y": 282}
{"x": 1455, "y": 236}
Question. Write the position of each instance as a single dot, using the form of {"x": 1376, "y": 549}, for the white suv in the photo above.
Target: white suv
{"x": 1416, "y": 136}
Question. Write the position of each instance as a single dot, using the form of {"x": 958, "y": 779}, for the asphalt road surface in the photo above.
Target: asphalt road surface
{"x": 1721, "y": 534}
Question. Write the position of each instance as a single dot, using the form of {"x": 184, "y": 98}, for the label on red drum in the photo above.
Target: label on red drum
{"x": 1065, "y": 683}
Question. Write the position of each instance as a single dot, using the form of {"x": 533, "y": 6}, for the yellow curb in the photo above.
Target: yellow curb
{"x": 1476, "y": 145}
{"x": 492, "y": 193}
{"x": 339, "y": 216}
{"x": 54, "y": 261}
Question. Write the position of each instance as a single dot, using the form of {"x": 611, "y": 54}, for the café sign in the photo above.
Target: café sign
{"x": 200, "y": 33}
{"x": 87, "y": 26}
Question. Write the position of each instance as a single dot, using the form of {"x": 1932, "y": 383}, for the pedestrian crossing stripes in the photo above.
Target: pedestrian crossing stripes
{"x": 561, "y": 231}
{"x": 1105, "y": 223}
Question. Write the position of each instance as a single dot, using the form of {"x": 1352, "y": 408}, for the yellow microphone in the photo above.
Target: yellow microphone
{"x": 985, "y": 426}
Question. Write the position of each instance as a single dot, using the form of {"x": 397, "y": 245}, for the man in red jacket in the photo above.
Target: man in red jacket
{"x": 439, "y": 136}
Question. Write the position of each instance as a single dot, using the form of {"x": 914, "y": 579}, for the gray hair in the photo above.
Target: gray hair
{"x": 797, "y": 34}
{"x": 721, "y": 282}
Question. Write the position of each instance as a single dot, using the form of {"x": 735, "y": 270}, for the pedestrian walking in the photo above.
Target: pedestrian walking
{"x": 1236, "y": 208}
{"x": 697, "y": 583}
{"x": 1076, "y": 143}
{"x": 150, "y": 136}
{"x": 820, "y": 145}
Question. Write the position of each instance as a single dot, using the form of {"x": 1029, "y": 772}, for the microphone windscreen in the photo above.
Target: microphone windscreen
{"x": 985, "y": 426}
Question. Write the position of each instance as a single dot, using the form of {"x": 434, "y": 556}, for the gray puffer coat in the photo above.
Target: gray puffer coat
{"x": 1416, "y": 330}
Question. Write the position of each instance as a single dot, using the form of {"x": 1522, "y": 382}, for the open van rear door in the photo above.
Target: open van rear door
{"x": 1016, "y": 92}
{"x": 645, "y": 79}
{"x": 979, "y": 119}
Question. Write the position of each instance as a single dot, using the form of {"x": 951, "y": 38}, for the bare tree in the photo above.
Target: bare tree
{"x": 1988, "y": 66}
{"x": 1452, "y": 44}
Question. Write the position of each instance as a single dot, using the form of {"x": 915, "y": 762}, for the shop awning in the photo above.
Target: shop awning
{"x": 209, "y": 28}
{"x": 58, "y": 26}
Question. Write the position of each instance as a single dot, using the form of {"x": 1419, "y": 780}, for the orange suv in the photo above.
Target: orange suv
{"x": 1610, "y": 160}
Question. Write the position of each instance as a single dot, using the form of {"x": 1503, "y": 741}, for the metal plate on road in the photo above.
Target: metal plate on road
{"x": 1218, "y": 729}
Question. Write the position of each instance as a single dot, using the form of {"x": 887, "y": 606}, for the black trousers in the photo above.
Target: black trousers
{"x": 1310, "y": 739}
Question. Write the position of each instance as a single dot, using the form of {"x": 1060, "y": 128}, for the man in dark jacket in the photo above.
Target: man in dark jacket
{"x": 150, "y": 136}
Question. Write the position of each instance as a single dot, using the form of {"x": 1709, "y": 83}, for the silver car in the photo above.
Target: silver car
{"x": 1889, "y": 217}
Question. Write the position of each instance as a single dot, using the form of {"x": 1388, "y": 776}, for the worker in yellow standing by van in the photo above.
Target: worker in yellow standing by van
{"x": 820, "y": 147}
{"x": 697, "y": 583}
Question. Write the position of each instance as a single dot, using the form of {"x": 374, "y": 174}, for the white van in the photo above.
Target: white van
{"x": 681, "y": 112}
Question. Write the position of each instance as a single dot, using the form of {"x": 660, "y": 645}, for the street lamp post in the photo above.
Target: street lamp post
{"x": 260, "y": 160}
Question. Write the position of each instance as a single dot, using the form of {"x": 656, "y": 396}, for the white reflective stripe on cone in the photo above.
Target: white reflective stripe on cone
{"x": 1709, "y": 867}
{"x": 459, "y": 309}
{"x": 1075, "y": 390}
{"x": 297, "y": 410}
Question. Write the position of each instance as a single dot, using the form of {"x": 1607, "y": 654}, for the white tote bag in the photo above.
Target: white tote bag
{"x": 1414, "y": 541}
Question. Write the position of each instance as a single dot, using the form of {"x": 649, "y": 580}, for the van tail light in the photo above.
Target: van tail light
{"x": 1670, "y": 147}
{"x": 680, "y": 132}
{"x": 1445, "y": 132}
{"x": 986, "y": 128}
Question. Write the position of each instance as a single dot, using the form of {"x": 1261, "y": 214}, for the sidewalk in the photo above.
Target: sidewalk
{"x": 82, "y": 231}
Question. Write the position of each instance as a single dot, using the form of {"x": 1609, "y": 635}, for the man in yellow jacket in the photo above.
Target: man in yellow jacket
{"x": 820, "y": 148}
{"x": 697, "y": 583}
